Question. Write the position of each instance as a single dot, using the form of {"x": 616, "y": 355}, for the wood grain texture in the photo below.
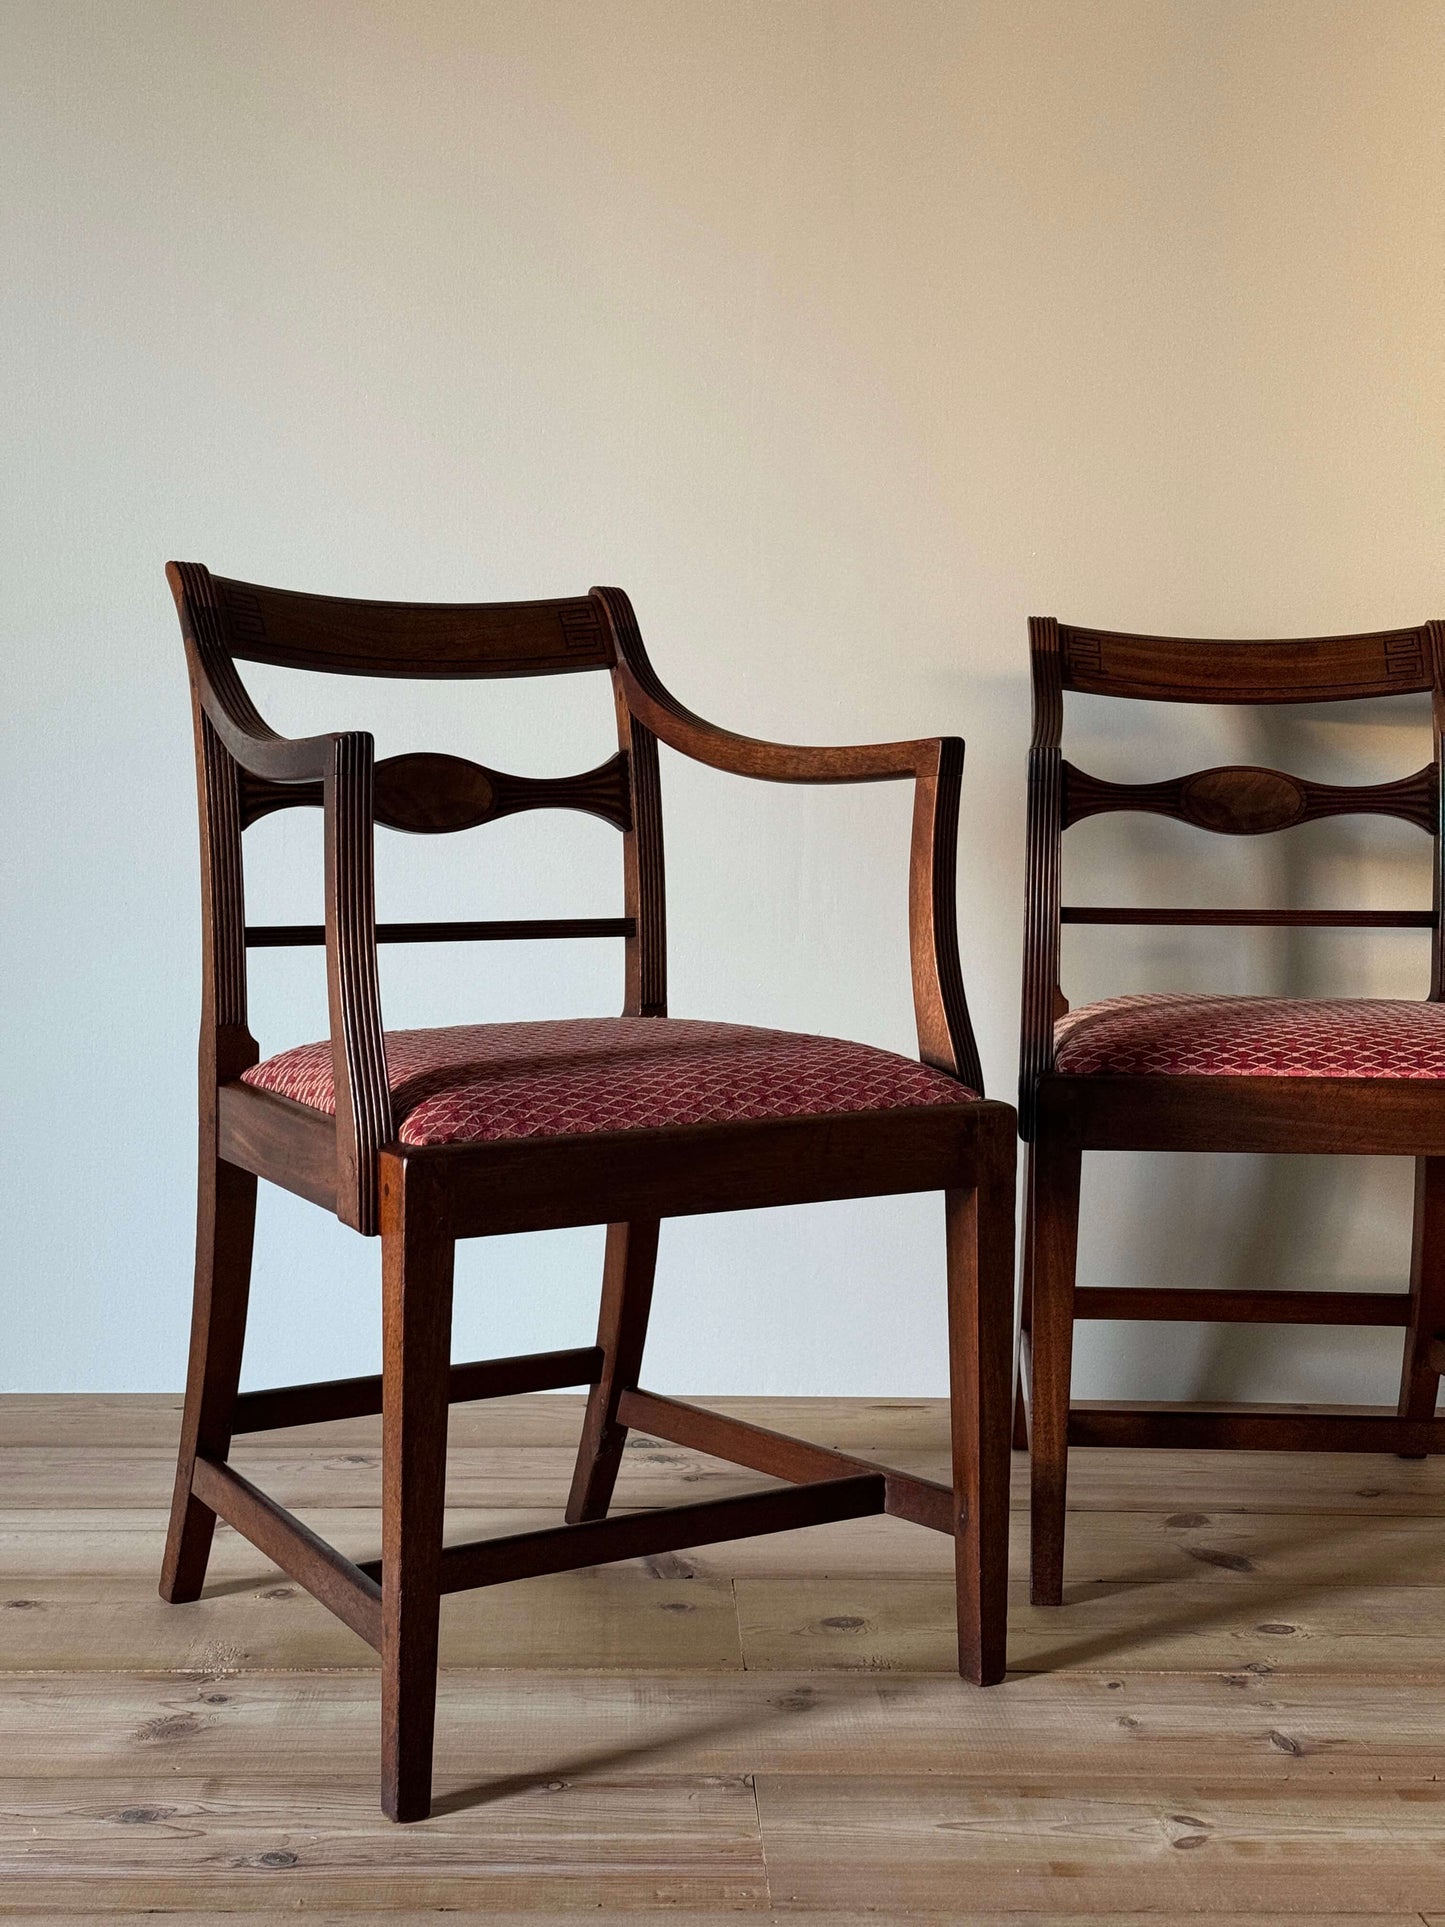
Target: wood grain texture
{"x": 1250, "y": 919}
{"x": 1249, "y": 1658}
{"x": 428, "y": 794}
{"x": 1240, "y": 801}
{"x": 1308, "y": 669}
{"x": 345, "y": 636}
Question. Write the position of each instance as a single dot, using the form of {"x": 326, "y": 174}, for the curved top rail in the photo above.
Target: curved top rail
{"x": 433, "y": 639}
{"x": 1307, "y": 669}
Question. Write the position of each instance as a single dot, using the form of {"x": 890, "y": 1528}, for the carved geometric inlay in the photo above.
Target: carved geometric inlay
{"x": 1245, "y": 801}
{"x": 580, "y": 626}
{"x": 1404, "y": 658}
{"x": 247, "y": 621}
{"x": 1083, "y": 654}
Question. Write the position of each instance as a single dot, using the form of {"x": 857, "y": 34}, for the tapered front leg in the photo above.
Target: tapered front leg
{"x": 417, "y": 1253}
{"x": 980, "y": 1226}
{"x": 1054, "y": 1205}
{"x": 1026, "y": 1316}
{"x": 225, "y": 1232}
{"x": 627, "y": 1275}
{"x": 1419, "y": 1381}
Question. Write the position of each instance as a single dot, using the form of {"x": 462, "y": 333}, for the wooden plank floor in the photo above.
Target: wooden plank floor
{"x": 1238, "y": 1715}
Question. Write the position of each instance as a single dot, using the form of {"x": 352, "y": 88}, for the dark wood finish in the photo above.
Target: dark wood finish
{"x": 1063, "y": 1116}
{"x": 416, "y": 1317}
{"x": 335, "y": 1581}
{"x": 287, "y": 936}
{"x": 1318, "y": 1116}
{"x": 266, "y": 1134}
{"x": 636, "y": 1535}
{"x": 980, "y": 1227}
{"x": 1053, "y": 1207}
{"x": 1172, "y": 1427}
{"x": 1252, "y": 919}
{"x": 1245, "y": 1307}
{"x": 1309, "y": 669}
{"x": 627, "y": 1274}
{"x": 422, "y": 1200}
{"x": 429, "y": 795}
{"x": 1251, "y": 802}
{"x": 225, "y": 1229}
{"x": 361, "y": 1397}
{"x": 1026, "y": 1312}
{"x": 1425, "y": 1321}
{"x": 548, "y": 1183}
{"x": 349, "y": 637}
{"x": 921, "y": 1501}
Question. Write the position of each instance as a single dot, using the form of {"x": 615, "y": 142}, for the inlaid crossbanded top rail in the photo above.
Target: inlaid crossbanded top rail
{"x": 351, "y": 637}
{"x": 1307, "y": 669}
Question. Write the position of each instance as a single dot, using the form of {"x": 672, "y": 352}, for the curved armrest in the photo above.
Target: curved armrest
{"x": 935, "y": 763}
{"x": 682, "y": 730}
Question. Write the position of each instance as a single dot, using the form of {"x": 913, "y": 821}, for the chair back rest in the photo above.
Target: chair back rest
{"x": 1235, "y": 800}
{"x": 225, "y": 622}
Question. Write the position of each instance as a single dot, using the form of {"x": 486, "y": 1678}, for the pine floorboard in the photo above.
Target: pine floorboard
{"x": 1238, "y": 1715}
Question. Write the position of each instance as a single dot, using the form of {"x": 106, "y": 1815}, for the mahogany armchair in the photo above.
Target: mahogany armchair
{"x": 1192, "y": 1073}
{"x": 429, "y": 1136}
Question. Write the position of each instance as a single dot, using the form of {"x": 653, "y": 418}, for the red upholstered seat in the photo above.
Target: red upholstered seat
{"x": 479, "y": 1083}
{"x": 1189, "y": 1036}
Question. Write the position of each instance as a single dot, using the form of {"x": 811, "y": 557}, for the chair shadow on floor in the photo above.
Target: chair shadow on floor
{"x": 1258, "y": 1597}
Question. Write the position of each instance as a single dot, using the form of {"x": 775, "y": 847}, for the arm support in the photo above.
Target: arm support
{"x": 945, "y": 1034}
{"x": 344, "y": 765}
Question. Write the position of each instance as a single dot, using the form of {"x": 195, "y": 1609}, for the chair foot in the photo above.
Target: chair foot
{"x": 188, "y": 1549}
{"x": 417, "y": 1253}
{"x": 1054, "y": 1208}
{"x": 1419, "y": 1381}
{"x": 225, "y": 1231}
{"x": 980, "y": 1230}
{"x": 627, "y": 1274}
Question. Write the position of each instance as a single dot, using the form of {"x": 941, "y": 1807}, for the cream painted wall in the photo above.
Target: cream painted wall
{"x": 844, "y": 334}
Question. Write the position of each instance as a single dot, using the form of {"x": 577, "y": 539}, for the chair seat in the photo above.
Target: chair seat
{"x": 1193, "y": 1036}
{"x": 483, "y": 1083}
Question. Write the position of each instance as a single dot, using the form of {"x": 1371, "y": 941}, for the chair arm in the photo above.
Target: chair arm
{"x": 945, "y": 1033}
{"x": 737, "y": 755}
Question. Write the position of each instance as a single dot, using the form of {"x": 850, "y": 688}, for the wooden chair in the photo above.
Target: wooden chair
{"x": 431, "y": 1136}
{"x": 1170, "y": 1073}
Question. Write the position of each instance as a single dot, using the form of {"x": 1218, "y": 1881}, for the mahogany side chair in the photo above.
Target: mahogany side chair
{"x": 429, "y": 1136}
{"x": 1220, "y": 1073}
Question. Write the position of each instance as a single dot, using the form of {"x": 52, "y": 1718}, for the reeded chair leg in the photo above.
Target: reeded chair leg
{"x": 1054, "y": 1211}
{"x": 417, "y": 1255}
{"x": 1419, "y": 1379}
{"x": 627, "y": 1275}
{"x": 225, "y": 1232}
{"x": 980, "y": 1231}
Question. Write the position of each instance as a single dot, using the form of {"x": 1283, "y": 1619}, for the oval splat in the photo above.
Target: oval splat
{"x": 425, "y": 791}
{"x": 1244, "y": 802}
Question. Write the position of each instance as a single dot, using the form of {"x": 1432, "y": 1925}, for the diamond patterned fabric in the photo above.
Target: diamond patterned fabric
{"x": 1190, "y": 1036}
{"x": 480, "y": 1083}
